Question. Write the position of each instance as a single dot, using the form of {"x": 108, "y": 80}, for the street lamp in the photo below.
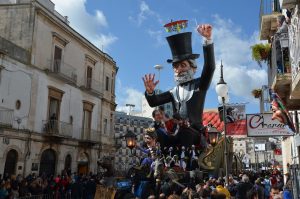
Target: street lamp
{"x": 158, "y": 67}
{"x": 131, "y": 106}
{"x": 213, "y": 135}
{"x": 130, "y": 140}
{"x": 222, "y": 91}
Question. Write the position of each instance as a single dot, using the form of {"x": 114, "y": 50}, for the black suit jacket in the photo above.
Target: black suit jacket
{"x": 196, "y": 103}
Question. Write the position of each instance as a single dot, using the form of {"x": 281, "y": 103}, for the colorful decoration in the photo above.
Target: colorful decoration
{"x": 280, "y": 112}
{"x": 176, "y": 26}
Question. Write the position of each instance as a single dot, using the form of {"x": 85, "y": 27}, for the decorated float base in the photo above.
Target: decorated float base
{"x": 211, "y": 164}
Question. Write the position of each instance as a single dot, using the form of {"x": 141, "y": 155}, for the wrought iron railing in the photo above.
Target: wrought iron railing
{"x": 294, "y": 36}
{"x": 64, "y": 70}
{"x": 90, "y": 135}
{"x": 6, "y": 117}
{"x": 280, "y": 63}
{"x": 93, "y": 85}
{"x": 56, "y": 127}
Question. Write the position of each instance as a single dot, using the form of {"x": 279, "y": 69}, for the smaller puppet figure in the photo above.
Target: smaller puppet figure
{"x": 193, "y": 154}
{"x": 150, "y": 137}
{"x": 157, "y": 166}
{"x": 171, "y": 151}
{"x": 183, "y": 158}
{"x": 175, "y": 161}
{"x": 168, "y": 161}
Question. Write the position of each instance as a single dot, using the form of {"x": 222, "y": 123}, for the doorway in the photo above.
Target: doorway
{"x": 11, "y": 162}
{"x": 83, "y": 168}
{"x": 48, "y": 162}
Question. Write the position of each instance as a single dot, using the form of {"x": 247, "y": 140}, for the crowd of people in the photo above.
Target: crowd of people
{"x": 65, "y": 186}
{"x": 248, "y": 185}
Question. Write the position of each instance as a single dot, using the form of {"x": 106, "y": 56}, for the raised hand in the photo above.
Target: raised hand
{"x": 149, "y": 83}
{"x": 205, "y": 30}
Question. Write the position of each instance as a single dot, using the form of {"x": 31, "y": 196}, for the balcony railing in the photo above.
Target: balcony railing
{"x": 90, "y": 135}
{"x": 268, "y": 7}
{"x": 93, "y": 85}
{"x": 57, "y": 128}
{"x": 280, "y": 64}
{"x": 63, "y": 70}
{"x": 6, "y": 117}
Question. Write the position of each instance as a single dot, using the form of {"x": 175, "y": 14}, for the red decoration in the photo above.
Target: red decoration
{"x": 277, "y": 152}
{"x": 176, "y": 26}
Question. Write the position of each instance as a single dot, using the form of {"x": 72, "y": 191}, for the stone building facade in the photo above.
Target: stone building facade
{"x": 57, "y": 93}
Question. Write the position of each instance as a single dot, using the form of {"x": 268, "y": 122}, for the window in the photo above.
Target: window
{"x": 112, "y": 84}
{"x": 55, "y": 96}
{"x": 18, "y": 104}
{"x": 87, "y": 119}
{"x": 89, "y": 75}
{"x": 107, "y": 83}
{"x": 57, "y": 59}
{"x": 87, "y": 116}
{"x": 53, "y": 108}
{"x": 105, "y": 126}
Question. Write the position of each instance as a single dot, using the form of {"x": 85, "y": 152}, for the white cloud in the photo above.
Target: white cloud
{"x": 241, "y": 73}
{"x": 127, "y": 95}
{"x": 144, "y": 13}
{"x": 103, "y": 41}
{"x": 89, "y": 25}
{"x": 101, "y": 18}
{"x": 158, "y": 36}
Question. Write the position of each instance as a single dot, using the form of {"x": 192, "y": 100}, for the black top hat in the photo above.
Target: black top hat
{"x": 181, "y": 47}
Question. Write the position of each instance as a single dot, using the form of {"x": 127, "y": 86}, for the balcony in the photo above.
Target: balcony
{"x": 295, "y": 54}
{"x": 288, "y": 4}
{"x": 93, "y": 86}
{"x": 295, "y": 88}
{"x": 280, "y": 77}
{"x": 89, "y": 136}
{"x": 6, "y": 117}
{"x": 269, "y": 10}
{"x": 63, "y": 71}
{"x": 57, "y": 128}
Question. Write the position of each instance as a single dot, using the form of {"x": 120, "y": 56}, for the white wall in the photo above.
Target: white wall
{"x": 16, "y": 85}
{"x": 71, "y": 104}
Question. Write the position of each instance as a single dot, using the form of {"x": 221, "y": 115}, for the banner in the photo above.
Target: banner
{"x": 235, "y": 119}
{"x": 262, "y": 125}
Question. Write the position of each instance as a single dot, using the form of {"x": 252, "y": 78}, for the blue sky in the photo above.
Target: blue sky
{"x": 131, "y": 31}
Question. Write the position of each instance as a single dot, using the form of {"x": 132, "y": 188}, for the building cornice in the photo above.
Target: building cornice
{"x": 69, "y": 30}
